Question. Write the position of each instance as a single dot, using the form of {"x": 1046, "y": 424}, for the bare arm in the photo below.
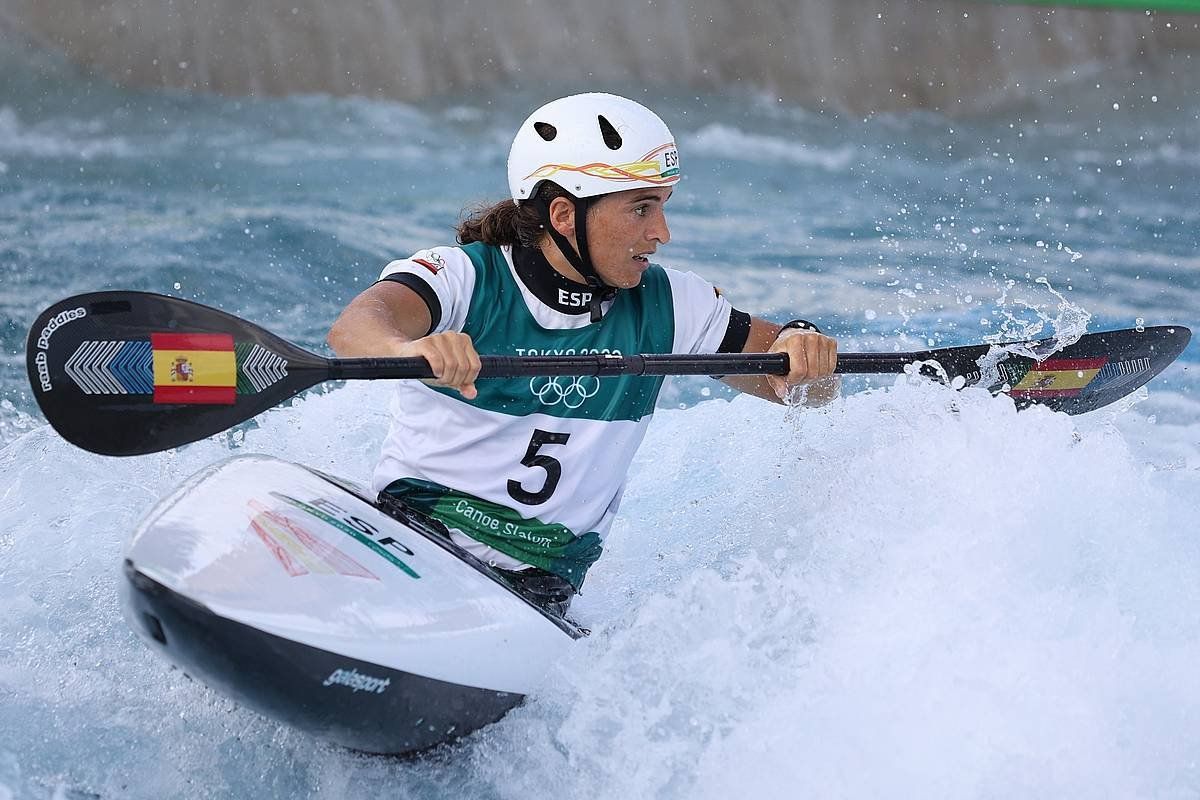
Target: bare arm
{"x": 386, "y": 316}
{"x": 390, "y": 319}
{"x": 812, "y": 355}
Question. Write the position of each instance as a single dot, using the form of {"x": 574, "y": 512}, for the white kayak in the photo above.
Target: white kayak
{"x": 295, "y": 595}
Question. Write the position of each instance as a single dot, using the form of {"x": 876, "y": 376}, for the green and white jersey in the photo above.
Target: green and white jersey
{"x": 532, "y": 470}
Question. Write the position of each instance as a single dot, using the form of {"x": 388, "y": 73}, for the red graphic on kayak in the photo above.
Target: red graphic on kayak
{"x": 298, "y": 551}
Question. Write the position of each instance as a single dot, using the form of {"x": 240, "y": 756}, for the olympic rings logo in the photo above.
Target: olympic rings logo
{"x": 570, "y": 391}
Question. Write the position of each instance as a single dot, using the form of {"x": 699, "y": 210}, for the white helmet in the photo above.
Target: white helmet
{"x": 592, "y": 144}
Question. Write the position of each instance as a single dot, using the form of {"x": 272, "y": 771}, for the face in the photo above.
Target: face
{"x": 624, "y": 229}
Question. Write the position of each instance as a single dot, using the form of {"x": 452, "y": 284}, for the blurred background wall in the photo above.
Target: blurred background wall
{"x": 848, "y": 54}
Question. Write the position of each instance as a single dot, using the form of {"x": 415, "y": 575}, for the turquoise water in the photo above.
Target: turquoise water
{"x": 280, "y": 211}
{"x": 883, "y": 597}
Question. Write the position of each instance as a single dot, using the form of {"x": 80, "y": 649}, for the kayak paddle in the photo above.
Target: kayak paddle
{"x": 127, "y": 373}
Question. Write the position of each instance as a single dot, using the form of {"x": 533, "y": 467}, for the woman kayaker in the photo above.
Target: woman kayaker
{"x": 527, "y": 474}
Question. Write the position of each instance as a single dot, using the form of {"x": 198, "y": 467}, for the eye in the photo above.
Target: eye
{"x": 641, "y": 210}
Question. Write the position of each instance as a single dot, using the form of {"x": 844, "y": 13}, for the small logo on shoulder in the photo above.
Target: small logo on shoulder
{"x": 431, "y": 261}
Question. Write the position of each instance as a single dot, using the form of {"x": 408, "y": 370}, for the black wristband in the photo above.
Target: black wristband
{"x": 800, "y": 324}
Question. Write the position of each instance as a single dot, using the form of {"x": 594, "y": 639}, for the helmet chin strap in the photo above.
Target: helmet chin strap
{"x": 581, "y": 260}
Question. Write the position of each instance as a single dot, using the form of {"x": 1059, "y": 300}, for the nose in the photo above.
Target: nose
{"x": 659, "y": 230}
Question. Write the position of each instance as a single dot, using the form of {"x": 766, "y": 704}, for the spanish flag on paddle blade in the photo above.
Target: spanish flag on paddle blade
{"x": 194, "y": 368}
{"x": 1063, "y": 377}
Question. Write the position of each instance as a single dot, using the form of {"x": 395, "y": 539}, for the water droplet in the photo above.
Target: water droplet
{"x": 1139, "y": 325}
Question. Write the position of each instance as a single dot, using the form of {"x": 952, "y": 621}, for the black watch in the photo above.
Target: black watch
{"x": 800, "y": 324}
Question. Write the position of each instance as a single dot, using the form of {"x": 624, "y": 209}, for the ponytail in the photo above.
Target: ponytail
{"x": 508, "y": 223}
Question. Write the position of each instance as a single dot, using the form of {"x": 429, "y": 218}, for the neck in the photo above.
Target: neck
{"x": 555, "y": 258}
{"x": 574, "y": 252}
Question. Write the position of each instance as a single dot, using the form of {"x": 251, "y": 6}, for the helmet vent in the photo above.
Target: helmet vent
{"x": 611, "y": 138}
{"x": 545, "y": 130}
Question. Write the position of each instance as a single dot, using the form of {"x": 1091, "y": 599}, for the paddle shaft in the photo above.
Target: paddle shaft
{"x": 126, "y": 373}
{"x": 610, "y": 365}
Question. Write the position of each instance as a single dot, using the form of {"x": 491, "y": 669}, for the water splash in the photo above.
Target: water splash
{"x": 1067, "y": 326}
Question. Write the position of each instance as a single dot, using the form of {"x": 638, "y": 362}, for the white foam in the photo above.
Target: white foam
{"x": 60, "y": 138}
{"x": 893, "y": 598}
{"x": 725, "y": 141}
{"x": 911, "y": 592}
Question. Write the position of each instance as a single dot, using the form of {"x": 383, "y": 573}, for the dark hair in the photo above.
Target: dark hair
{"x": 507, "y": 223}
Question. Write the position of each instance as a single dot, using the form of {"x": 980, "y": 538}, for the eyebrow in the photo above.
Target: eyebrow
{"x": 641, "y": 198}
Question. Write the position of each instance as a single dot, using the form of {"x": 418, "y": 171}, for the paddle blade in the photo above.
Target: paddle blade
{"x": 126, "y": 373}
{"x": 1099, "y": 369}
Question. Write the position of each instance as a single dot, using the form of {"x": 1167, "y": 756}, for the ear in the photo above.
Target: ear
{"x": 562, "y": 216}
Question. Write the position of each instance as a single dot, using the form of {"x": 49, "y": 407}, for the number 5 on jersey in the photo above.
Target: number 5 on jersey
{"x": 534, "y": 459}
